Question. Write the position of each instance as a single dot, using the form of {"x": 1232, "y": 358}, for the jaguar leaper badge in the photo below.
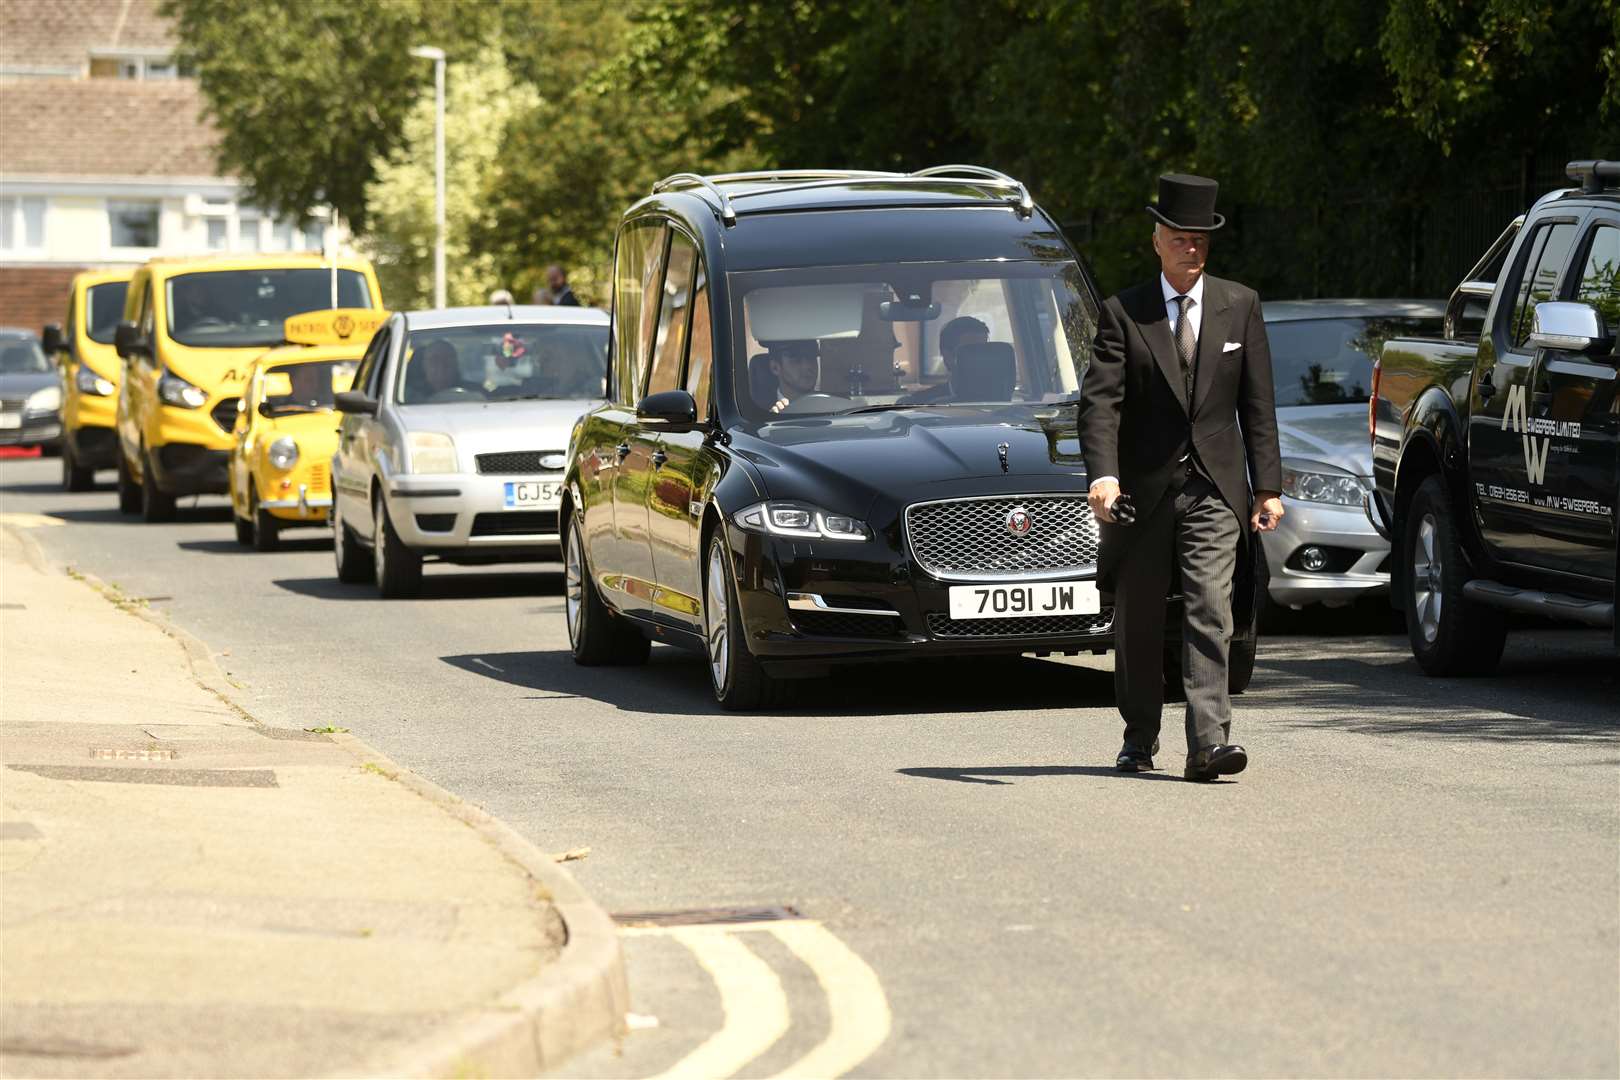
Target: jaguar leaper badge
{"x": 1018, "y": 521}
{"x": 1001, "y": 452}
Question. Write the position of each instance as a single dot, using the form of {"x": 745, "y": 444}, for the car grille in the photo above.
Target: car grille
{"x": 513, "y": 461}
{"x": 968, "y": 539}
{"x": 942, "y": 625}
{"x": 515, "y": 523}
{"x": 842, "y": 624}
{"x": 12, "y": 405}
{"x": 224, "y": 413}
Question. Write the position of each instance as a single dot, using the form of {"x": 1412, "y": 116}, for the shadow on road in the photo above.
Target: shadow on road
{"x": 449, "y": 586}
{"x": 110, "y": 515}
{"x": 1553, "y": 686}
{"x": 676, "y": 682}
{"x": 987, "y": 774}
{"x": 314, "y": 541}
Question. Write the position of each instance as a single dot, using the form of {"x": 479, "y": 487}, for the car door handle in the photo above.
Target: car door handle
{"x": 658, "y": 459}
{"x": 623, "y": 450}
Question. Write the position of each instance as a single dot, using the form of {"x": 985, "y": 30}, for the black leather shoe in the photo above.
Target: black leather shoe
{"x": 1135, "y": 759}
{"x": 1211, "y": 762}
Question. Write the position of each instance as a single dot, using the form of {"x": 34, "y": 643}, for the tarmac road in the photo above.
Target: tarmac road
{"x": 1414, "y": 877}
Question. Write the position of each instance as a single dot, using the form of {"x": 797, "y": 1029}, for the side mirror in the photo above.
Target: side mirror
{"x": 671, "y": 410}
{"x": 1567, "y": 325}
{"x": 51, "y": 340}
{"x": 129, "y": 343}
{"x": 354, "y": 401}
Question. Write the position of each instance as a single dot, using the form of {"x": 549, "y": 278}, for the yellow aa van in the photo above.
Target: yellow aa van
{"x": 191, "y": 329}
{"x": 286, "y": 431}
{"x": 83, "y": 349}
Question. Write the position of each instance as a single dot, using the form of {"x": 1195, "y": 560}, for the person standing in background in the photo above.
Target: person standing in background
{"x": 557, "y": 291}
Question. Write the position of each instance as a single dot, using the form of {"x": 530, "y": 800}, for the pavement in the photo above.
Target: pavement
{"x": 187, "y": 891}
{"x": 944, "y": 875}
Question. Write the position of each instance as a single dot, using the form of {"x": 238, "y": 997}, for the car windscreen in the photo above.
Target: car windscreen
{"x": 104, "y": 306}
{"x": 503, "y": 361}
{"x": 238, "y": 308}
{"x": 1329, "y": 361}
{"x": 21, "y": 355}
{"x": 826, "y": 340}
{"x": 305, "y": 386}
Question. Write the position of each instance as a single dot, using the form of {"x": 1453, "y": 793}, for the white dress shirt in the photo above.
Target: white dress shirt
{"x": 1172, "y": 309}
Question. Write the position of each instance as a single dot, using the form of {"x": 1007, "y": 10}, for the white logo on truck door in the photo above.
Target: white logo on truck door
{"x": 1535, "y": 450}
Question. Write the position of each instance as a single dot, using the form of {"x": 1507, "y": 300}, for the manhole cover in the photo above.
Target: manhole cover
{"x": 706, "y": 916}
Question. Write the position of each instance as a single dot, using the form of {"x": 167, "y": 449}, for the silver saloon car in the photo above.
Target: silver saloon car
{"x": 453, "y": 440}
{"x": 1322, "y": 351}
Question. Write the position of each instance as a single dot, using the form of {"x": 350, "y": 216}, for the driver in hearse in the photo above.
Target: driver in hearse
{"x": 797, "y": 367}
{"x": 960, "y": 331}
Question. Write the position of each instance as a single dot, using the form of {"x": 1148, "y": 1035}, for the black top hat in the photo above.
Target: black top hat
{"x": 1188, "y": 203}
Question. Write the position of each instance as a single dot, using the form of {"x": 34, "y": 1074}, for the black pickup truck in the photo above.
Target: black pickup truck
{"x": 1496, "y": 451}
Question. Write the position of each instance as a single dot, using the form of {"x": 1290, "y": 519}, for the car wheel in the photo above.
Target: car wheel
{"x": 351, "y": 556}
{"x": 244, "y": 529}
{"x": 156, "y": 505}
{"x": 75, "y": 478}
{"x": 129, "y": 493}
{"x": 266, "y": 528}
{"x": 735, "y": 673}
{"x": 1450, "y": 634}
{"x": 596, "y": 635}
{"x": 398, "y": 568}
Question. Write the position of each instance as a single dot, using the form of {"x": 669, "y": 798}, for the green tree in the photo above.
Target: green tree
{"x": 481, "y": 99}
{"x": 309, "y": 94}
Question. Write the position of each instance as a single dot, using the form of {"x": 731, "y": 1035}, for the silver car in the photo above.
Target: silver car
{"x": 1322, "y": 351}
{"x": 453, "y": 439}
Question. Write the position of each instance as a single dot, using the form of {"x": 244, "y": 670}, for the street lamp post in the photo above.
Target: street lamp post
{"x": 429, "y": 52}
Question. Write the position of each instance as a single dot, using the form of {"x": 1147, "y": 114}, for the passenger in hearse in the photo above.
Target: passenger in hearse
{"x": 953, "y": 336}
{"x": 797, "y": 368}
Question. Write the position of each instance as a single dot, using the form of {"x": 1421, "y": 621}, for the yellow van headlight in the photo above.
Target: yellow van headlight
{"x": 432, "y": 452}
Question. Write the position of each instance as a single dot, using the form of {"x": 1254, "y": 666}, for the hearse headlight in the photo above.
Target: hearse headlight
{"x": 800, "y": 520}
{"x": 1319, "y": 482}
{"x": 283, "y": 453}
{"x": 90, "y": 383}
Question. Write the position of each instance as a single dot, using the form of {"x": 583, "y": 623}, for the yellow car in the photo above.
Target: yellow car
{"x": 286, "y": 431}
{"x": 191, "y": 329}
{"x": 83, "y": 348}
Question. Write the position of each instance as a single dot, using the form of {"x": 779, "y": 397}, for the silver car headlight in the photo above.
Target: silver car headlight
{"x": 432, "y": 452}
{"x": 90, "y": 383}
{"x": 47, "y": 399}
{"x": 1319, "y": 482}
{"x": 283, "y": 453}
{"x": 800, "y": 520}
{"x": 176, "y": 391}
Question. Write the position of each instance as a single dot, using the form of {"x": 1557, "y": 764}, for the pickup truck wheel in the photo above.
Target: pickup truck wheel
{"x": 157, "y": 506}
{"x": 399, "y": 569}
{"x": 129, "y": 493}
{"x": 351, "y": 556}
{"x": 596, "y": 636}
{"x": 1450, "y": 634}
{"x": 739, "y": 681}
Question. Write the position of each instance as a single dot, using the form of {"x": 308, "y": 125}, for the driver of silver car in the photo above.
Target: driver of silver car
{"x": 437, "y": 368}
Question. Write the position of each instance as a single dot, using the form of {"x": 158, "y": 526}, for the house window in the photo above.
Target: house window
{"x": 247, "y": 232}
{"x": 218, "y": 234}
{"x": 22, "y": 223}
{"x": 134, "y": 223}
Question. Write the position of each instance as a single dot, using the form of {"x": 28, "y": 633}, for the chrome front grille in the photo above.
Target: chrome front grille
{"x": 969, "y": 539}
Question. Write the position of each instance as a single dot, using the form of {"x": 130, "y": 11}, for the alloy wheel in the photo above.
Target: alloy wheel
{"x": 573, "y": 583}
{"x": 717, "y": 616}
{"x": 1427, "y": 582}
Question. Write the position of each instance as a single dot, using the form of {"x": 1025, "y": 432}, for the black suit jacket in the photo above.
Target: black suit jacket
{"x": 1135, "y": 421}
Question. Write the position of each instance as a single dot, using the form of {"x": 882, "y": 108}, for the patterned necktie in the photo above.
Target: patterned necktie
{"x": 1186, "y": 344}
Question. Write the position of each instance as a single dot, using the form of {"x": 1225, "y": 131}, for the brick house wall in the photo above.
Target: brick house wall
{"x": 31, "y": 296}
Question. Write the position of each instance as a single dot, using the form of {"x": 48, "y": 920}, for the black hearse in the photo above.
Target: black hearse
{"x": 840, "y": 428}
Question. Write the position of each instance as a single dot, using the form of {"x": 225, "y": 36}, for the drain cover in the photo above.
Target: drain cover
{"x": 149, "y": 754}
{"x": 706, "y": 916}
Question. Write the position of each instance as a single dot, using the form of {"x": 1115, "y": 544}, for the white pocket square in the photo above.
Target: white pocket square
{"x": 1232, "y": 346}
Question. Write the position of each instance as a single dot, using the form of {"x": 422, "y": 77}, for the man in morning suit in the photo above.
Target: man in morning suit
{"x": 1177, "y": 414}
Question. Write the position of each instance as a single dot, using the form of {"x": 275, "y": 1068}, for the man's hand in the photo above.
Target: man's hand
{"x": 1268, "y": 513}
{"x": 1101, "y": 497}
